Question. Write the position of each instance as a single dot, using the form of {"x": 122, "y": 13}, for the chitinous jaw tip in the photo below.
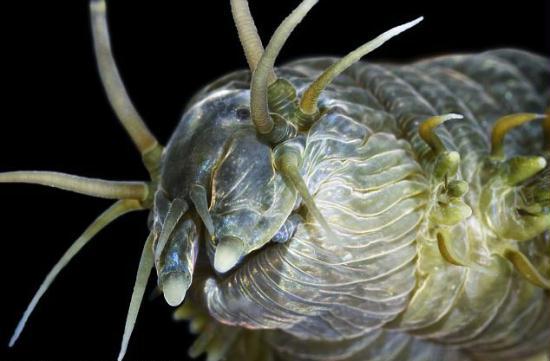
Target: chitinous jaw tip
{"x": 174, "y": 288}
{"x": 228, "y": 253}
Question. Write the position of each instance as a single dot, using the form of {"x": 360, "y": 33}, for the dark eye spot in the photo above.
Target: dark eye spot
{"x": 243, "y": 113}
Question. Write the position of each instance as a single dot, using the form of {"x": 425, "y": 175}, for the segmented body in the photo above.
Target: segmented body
{"x": 322, "y": 211}
{"x": 381, "y": 290}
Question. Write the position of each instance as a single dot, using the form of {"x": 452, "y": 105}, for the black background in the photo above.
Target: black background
{"x": 56, "y": 117}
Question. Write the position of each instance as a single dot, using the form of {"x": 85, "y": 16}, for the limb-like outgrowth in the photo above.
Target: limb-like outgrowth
{"x": 118, "y": 209}
{"x": 309, "y": 100}
{"x": 515, "y": 210}
{"x": 200, "y": 201}
{"x": 451, "y": 213}
{"x": 446, "y": 162}
{"x": 518, "y": 169}
{"x": 144, "y": 271}
{"x": 258, "y": 87}
{"x": 505, "y": 124}
{"x": 539, "y": 191}
{"x": 287, "y": 162}
{"x": 214, "y": 339}
{"x": 527, "y": 269}
{"x": 426, "y": 130}
{"x": 457, "y": 188}
{"x": 201, "y": 342}
{"x": 248, "y": 35}
{"x": 142, "y": 137}
{"x": 88, "y": 186}
{"x": 447, "y": 251}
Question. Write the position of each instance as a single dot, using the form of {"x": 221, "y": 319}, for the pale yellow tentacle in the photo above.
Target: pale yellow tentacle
{"x": 146, "y": 264}
{"x": 140, "y": 134}
{"x": 88, "y": 186}
{"x": 308, "y": 104}
{"x": 258, "y": 87}
{"x": 248, "y": 35}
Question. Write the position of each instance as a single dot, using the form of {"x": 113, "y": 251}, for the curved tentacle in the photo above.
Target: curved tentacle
{"x": 426, "y": 130}
{"x": 308, "y": 104}
{"x": 89, "y": 186}
{"x": 248, "y": 35}
{"x": 287, "y": 163}
{"x": 258, "y": 86}
{"x": 146, "y": 264}
{"x": 136, "y": 128}
{"x": 505, "y": 124}
{"x": 524, "y": 266}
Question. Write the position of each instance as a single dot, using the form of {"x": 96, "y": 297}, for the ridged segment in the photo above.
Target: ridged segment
{"x": 470, "y": 138}
{"x": 369, "y": 172}
{"x": 372, "y": 194}
{"x": 377, "y": 345}
{"x": 514, "y": 81}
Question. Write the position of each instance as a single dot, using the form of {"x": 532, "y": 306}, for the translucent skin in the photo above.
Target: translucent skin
{"x": 381, "y": 290}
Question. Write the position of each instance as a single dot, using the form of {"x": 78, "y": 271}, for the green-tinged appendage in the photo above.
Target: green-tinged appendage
{"x": 514, "y": 199}
{"x": 448, "y": 210}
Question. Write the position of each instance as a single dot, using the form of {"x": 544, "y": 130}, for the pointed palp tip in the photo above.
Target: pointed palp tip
{"x": 228, "y": 253}
{"x": 120, "y": 356}
{"x": 399, "y": 29}
{"x": 454, "y": 116}
{"x": 18, "y": 330}
{"x": 410, "y": 24}
{"x": 12, "y": 342}
{"x": 174, "y": 289}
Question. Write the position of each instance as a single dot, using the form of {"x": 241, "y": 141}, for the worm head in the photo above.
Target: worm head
{"x": 250, "y": 201}
{"x": 220, "y": 173}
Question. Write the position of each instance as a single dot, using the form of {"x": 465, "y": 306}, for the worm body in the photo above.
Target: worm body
{"x": 383, "y": 282}
{"x": 332, "y": 209}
